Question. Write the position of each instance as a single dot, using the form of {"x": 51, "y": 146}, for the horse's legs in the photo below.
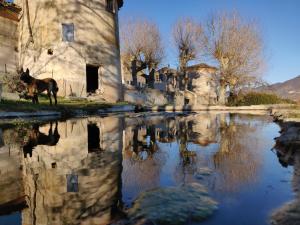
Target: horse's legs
{"x": 55, "y": 129}
{"x": 49, "y": 96}
{"x": 50, "y": 130}
{"x": 36, "y": 99}
{"x": 55, "y": 96}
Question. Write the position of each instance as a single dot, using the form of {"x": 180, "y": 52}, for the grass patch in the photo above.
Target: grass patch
{"x": 255, "y": 98}
{"x": 295, "y": 115}
{"x": 65, "y": 106}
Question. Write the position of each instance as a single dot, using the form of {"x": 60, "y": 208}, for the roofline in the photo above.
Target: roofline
{"x": 120, "y": 3}
{"x": 201, "y": 65}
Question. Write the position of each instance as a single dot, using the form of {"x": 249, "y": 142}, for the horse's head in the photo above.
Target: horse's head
{"x": 24, "y": 75}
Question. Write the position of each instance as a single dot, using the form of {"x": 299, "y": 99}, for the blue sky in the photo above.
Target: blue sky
{"x": 279, "y": 21}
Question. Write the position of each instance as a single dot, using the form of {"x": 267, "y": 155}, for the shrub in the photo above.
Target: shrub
{"x": 255, "y": 98}
{"x": 11, "y": 82}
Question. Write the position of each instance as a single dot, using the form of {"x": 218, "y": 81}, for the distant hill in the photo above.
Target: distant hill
{"x": 289, "y": 89}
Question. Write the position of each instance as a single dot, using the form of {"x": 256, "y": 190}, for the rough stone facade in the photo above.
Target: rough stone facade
{"x": 9, "y": 17}
{"x": 141, "y": 80}
{"x": 76, "y": 42}
{"x": 148, "y": 97}
{"x": 128, "y": 79}
{"x": 202, "y": 87}
{"x": 203, "y": 84}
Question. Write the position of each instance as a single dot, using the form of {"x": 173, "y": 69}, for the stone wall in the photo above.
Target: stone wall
{"x": 8, "y": 45}
{"x": 147, "y": 97}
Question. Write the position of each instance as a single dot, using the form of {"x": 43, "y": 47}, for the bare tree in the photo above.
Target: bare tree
{"x": 237, "y": 47}
{"x": 141, "y": 47}
{"x": 187, "y": 36}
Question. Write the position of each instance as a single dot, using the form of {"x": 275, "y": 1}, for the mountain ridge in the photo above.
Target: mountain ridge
{"x": 289, "y": 89}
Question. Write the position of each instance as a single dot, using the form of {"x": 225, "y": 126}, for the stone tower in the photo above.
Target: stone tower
{"x": 74, "y": 41}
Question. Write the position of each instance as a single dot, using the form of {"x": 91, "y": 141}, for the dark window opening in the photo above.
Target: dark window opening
{"x": 92, "y": 78}
{"x": 50, "y": 51}
{"x": 93, "y": 138}
{"x": 68, "y": 32}
{"x": 53, "y": 165}
{"x": 72, "y": 183}
{"x": 186, "y": 101}
{"x": 110, "y": 5}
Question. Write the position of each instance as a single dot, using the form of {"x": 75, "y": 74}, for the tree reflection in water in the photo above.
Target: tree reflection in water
{"x": 109, "y": 161}
{"x": 142, "y": 160}
{"x": 238, "y": 158}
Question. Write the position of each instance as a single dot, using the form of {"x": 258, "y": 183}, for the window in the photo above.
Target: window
{"x": 68, "y": 32}
{"x": 157, "y": 78}
{"x": 186, "y": 101}
{"x": 110, "y": 5}
{"x": 72, "y": 183}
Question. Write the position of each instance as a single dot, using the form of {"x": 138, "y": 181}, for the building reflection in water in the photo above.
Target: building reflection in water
{"x": 66, "y": 177}
{"x": 83, "y": 171}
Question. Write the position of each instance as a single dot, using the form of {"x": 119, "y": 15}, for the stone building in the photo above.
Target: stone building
{"x": 160, "y": 81}
{"x": 166, "y": 79}
{"x": 76, "y": 42}
{"x": 127, "y": 74}
{"x": 9, "y": 19}
{"x": 203, "y": 83}
{"x": 141, "y": 80}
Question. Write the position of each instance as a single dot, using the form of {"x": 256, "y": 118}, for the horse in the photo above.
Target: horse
{"x": 35, "y": 138}
{"x": 37, "y": 86}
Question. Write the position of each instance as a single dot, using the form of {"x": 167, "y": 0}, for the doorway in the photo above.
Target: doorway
{"x": 92, "y": 78}
{"x": 93, "y": 138}
{"x": 186, "y": 101}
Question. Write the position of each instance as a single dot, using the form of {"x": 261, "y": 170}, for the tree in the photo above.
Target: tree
{"x": 237, "y": 47}
{"x": 141, "y": 47}
{"x": 187, "y": 36}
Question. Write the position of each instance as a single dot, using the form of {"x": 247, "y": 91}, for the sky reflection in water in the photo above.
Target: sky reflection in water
{"x": 90, "y": 170}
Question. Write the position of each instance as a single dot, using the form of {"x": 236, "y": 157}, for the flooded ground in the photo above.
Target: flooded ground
{"x": 206, "y": 168}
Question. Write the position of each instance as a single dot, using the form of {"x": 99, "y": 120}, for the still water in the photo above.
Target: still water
{"x": 96, "y": 170}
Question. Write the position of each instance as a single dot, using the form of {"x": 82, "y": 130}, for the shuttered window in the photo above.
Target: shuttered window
{"x": 68, "y": 32}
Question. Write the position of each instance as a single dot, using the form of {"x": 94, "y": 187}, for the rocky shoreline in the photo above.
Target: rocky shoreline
{"x": 288, "y": 152}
